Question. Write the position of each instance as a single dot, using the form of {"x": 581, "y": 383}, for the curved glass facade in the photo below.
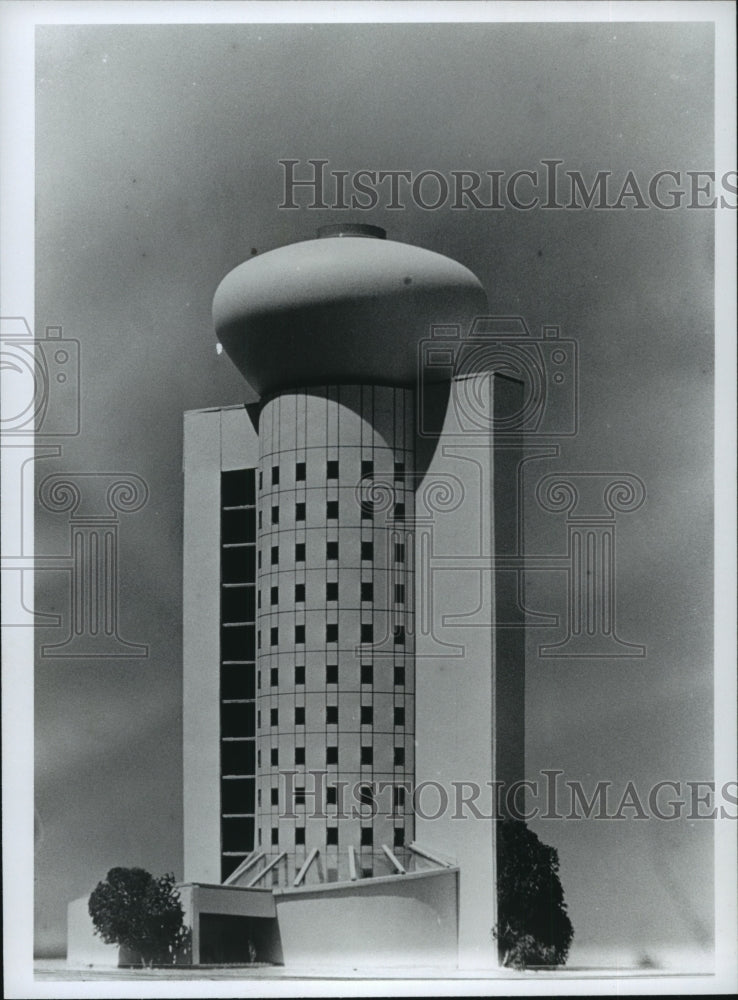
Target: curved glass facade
{"x": 335, "y": 629}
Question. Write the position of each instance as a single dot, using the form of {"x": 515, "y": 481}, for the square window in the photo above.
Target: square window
{"x": 275, "y": 835}
{"x": 367, "y": 591}
{"x": 367, "y": 755}
{"x": 299, "y": 511}
{"x": 331, "y": 797}
{"x": 274, "y": 595}
{"x": 331, "y": 470}
{"x": 331, "y": 755}
{"x": 399, "y": 756}
{"x": 331, "y": 633}
{"x": 275, "y": 757}
{"x": 366, "y": 795}
{"x": 399, "y": 593}
{"x": 399, "y": 512}
{"x": 300, "y": 552}
{"x": 367, "y": 715}
{"x": 274, "y": 717}
{"x": 367, "y": 510}
{"x": 399, "y": 552}
{"x": 367, "y": 467}
{"x": 331, "y": 550}
{"x": 300, "y": 633}
{"x": 331, "y": 715}
{"x": 275, "y": 555}
{"x": 331, "y": 591}
{"x": 300, "y": 472}
{"x": 300, "y": 835}
{"x": 275, "y": 475}
{"x": 367, "y": 838}
{"x": 331, "y": 836}
{"x": 367, "y": 550}
{"x": 331, "y": 673}
{"x": 299, "y": 675}
{"x": 275, "y": 515}
{"x": 400, "y": 635}
{"x": 399, "y": 716}
{"x": 399, "y": 676}
{"x": 275, "y": 796}
{"x": 399, "y": 837}
{"x": 300, "y": 797}
{"x": 399, "y": 470}
{"x": 300, "y": 715}
{"x": 274, "y": 677}
{"x": 331, "y": 509}
{"x": 367, "y": 633}
{"x": 299, "y": 593}
{"x": 398, "y": 798}
{"x": 274, "y": 636}
{"x": 367, "y": 673}
{"x": 299, "y": 755}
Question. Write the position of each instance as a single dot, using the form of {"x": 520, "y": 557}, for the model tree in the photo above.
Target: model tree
{"x": 132, "y": 908}
{"x": 533, "y": 927}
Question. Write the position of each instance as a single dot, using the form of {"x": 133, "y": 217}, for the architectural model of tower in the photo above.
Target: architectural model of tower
{"x": 341, "y": 604}
{"x": 327, "y": 333}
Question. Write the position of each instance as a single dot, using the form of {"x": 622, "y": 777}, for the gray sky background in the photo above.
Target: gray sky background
{"x": 157, "y": 155}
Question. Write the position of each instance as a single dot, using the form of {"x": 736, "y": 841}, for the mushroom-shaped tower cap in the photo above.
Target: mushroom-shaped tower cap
{"x": 348, "y": 307}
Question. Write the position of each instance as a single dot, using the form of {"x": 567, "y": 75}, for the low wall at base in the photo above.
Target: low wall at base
{"x": 402, "y": 920}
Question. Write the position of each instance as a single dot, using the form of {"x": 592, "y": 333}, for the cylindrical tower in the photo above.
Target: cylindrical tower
{"x": 329, "y": 332}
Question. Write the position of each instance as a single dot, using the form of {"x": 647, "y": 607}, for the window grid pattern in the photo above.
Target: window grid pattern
{"x": 237, "y": 667}
{"x": 329, "y": 446}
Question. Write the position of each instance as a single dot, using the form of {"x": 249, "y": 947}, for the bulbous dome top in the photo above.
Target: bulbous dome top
{"x": 342, "y": 308}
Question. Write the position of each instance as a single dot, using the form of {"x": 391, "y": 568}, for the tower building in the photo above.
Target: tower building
{"x": 324, "y": 676}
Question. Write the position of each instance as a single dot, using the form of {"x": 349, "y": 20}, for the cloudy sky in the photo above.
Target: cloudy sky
{"x": 157, "y": 171}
